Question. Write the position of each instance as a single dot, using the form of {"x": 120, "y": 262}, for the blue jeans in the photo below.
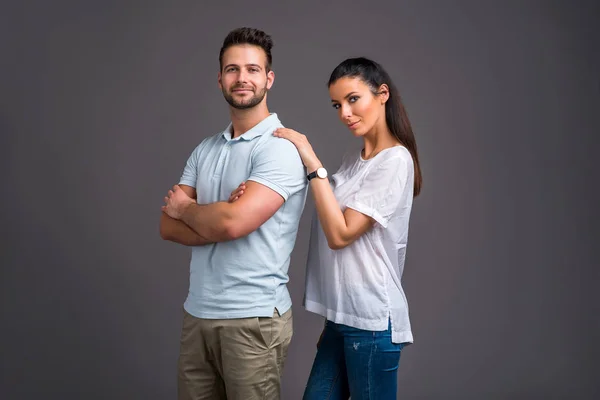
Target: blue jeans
{"x": 354, "y": 362}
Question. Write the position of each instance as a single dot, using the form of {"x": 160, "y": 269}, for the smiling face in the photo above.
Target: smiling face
{"x": 358, "y": 107}
{"x": 244, "y": 79}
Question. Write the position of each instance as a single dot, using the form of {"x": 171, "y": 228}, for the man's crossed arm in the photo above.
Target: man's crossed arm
{"x": 186, "y": 222}
{"x": 177, "y": 231}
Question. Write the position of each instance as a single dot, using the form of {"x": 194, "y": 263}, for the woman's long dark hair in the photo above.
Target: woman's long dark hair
{"x": 396, "y": 118}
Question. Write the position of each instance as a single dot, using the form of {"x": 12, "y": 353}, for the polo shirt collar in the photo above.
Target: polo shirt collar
{"x": 259, "y": 129}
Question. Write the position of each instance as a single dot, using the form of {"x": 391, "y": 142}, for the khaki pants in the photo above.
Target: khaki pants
{"x": 233, "y": 358}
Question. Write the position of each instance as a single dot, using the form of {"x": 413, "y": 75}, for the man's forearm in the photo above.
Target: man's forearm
{"x": 214, "y": 221}
{"x": 178, "y": 232}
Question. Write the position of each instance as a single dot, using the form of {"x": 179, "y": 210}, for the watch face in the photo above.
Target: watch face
{"x": 322, "y": 173}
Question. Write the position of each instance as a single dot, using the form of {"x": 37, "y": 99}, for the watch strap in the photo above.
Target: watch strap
{"x": 312, "y": 175}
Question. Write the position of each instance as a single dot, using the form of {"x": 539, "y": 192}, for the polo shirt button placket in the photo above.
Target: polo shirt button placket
{"x": 225, "y": 156}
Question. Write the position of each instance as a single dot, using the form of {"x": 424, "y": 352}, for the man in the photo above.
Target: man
{"x": 237, "y": 317}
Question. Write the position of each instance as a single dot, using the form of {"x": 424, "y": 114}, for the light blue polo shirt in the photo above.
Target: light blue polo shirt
{"x": 246, "y": 277}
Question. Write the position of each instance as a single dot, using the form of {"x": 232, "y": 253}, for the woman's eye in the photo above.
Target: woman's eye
{"x": 353, "y": 99}
{"x": 336, "y": 106}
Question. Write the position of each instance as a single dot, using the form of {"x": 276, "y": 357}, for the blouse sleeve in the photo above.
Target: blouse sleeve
{"x": 381, "y": 189}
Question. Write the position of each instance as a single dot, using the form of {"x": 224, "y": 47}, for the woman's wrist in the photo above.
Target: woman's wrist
{"x": 313, "y": 165}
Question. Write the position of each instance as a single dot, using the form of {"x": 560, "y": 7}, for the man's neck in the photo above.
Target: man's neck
{"x": 244, "y": 120}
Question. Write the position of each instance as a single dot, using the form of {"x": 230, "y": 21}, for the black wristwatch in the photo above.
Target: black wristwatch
{"x": 319, "y": 173}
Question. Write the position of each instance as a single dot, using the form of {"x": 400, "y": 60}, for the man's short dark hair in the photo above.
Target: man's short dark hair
{"x": 248, "y": 36}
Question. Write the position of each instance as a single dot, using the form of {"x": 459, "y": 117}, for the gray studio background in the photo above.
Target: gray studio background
{"x": 101, "y": 102}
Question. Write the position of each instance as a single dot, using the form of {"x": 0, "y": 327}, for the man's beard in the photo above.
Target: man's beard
{"x": 246, "y": 103}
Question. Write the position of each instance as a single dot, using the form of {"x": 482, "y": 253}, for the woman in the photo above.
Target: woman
{"x": 358, "y": 244}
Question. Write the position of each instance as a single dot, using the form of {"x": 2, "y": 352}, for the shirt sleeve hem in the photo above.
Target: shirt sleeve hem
{"x": 188, "y": 182}
{"x": 273, "y": 186}
{"x": 370, "y": 212}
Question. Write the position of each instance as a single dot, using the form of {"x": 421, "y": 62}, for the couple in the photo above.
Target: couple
{"x": 237, "y": 322}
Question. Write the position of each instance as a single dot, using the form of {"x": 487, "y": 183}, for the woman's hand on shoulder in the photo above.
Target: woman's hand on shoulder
{"x": 309, "y": 158}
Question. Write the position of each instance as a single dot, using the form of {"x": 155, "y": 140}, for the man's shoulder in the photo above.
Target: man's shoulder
{"x": 277, "y": 146}
{"x": 208, "y": 141}
{"x": 273, "y": 150}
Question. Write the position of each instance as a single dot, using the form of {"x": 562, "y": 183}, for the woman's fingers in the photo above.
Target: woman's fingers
{"x": 286, "y": 133}
{"x": 301, "y": 142}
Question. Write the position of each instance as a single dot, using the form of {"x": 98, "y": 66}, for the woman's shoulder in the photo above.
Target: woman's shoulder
{"x": 392, "y": 157}
{"x": 395, "y": 152}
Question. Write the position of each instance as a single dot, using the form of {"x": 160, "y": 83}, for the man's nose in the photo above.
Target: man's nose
{"x": 242, "y": 77}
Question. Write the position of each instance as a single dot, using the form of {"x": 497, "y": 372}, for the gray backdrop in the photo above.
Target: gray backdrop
{"x": 102, "y": 102}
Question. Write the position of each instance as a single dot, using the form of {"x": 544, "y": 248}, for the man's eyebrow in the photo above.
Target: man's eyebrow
{"x": 247, "y": 65}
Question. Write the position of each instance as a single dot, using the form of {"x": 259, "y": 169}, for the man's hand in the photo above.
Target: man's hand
{"x": 237, "y": 193}
{"x": 176, "y": 202}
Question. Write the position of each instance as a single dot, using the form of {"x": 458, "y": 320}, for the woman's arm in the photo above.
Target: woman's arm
{"x": 340, "y": 228}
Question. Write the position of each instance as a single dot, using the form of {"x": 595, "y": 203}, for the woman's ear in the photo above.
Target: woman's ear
{"x": 384, "y": 93}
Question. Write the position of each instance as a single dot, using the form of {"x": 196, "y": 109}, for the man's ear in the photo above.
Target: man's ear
{"x": 270, "y": 79}
{"x": 219, "y": 81}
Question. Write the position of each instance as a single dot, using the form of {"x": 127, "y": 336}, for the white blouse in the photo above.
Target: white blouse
{"x": 360, "y": 285}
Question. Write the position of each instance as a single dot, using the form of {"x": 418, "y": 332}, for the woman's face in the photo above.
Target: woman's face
{"x": 358, "y": 108}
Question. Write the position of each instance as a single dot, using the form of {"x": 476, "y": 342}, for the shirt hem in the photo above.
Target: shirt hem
{"x": 379, "y": 324}
{"x": 247, "y": 313}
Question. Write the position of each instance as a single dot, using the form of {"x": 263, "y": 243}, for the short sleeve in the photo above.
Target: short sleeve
{"x": 277, "y": 165}
{"x": 190, "y": 171}
{"x": 381, "y": 190}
